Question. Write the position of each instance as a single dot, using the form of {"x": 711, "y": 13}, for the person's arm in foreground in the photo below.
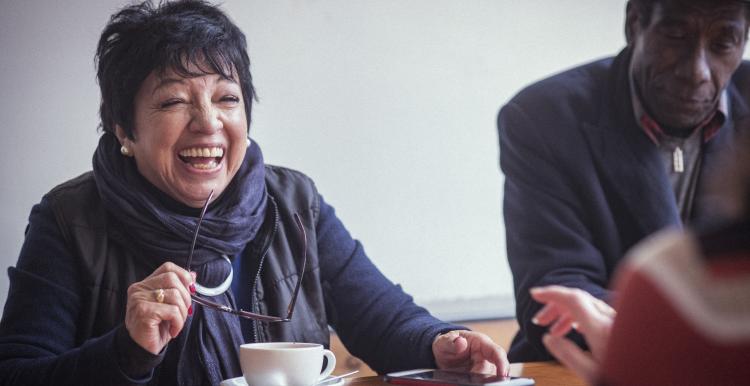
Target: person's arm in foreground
{"x": 379, "y": 322}
{"x": 566, "y": 309}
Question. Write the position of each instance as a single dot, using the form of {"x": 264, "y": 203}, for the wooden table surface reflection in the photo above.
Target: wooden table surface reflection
{"x": 543, "y": 373}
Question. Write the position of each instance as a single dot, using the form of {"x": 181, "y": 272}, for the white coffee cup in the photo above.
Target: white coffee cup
{"x": 284, "y": 363}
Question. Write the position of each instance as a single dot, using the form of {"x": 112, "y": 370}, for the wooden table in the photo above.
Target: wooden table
{"x": 543, "y": 373}
{"x": 546, "y": 374}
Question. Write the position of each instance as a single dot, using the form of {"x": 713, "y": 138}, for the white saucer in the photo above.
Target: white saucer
{"x": 240, "y": 381}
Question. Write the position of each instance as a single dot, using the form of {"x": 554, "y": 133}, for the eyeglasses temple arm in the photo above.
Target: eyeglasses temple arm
{"x": 241, "y": 313}
{"x": 197, "y": 228}
{"x": 290, "y": 309}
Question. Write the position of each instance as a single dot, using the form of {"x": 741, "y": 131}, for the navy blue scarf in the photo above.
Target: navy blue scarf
{"x": 162, "y": 227}
{"x": 159, "y": 229}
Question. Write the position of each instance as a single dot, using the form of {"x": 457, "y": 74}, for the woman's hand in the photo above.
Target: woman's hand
{"x": 571, "y": 308}
{"x": 158, "y": 306}
{"x": 470, "y": 351}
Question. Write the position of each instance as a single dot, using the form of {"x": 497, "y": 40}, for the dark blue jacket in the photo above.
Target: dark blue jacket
{"x": 583, "y": 183}
{"x": 63, "y": 320}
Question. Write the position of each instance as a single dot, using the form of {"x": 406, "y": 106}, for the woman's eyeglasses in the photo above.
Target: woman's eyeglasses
{"x": 239, "y": 312}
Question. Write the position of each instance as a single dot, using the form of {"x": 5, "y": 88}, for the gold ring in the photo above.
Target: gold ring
{"x": 159, "y": 295}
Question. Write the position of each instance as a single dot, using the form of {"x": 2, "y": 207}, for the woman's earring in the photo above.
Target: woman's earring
{"x": 125, "y": 151}
{"x": 249, "y": 142}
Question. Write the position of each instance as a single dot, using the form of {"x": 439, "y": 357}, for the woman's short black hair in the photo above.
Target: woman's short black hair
{"x": 178, "y": 35}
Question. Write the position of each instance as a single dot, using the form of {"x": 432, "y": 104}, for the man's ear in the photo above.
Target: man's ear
{"x": 632, "y": 18}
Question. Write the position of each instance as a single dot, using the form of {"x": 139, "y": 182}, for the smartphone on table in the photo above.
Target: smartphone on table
{"x": 432, "y": 377}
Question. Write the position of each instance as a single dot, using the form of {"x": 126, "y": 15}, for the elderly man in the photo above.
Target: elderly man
{"x": 600, "y": 156}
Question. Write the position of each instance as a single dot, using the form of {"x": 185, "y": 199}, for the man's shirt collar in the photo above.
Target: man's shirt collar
{"x": 653, "y": 130}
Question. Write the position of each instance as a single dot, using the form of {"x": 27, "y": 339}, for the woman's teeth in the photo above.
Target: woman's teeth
{"x": 209, "y": 165}
{"x": 203, "y": 152}
{"x": 202, "y": 157}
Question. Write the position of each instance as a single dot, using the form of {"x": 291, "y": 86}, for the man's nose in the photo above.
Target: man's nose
{"x": 694, "y": 66}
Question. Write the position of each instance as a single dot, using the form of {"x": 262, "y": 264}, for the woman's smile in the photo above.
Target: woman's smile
{"x": 202, "y": 158}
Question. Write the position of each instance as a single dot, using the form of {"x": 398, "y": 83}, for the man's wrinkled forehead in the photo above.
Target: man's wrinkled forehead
{"x": 709, "y": 9}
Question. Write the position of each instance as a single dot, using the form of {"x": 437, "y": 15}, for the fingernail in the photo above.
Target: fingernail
{"x": 190, "y": 310}
{"x": 534, "y": 289}
{"x": 535, "y": 320}
{"x": 192, "y": 288}
{"x": 193, "y": 274}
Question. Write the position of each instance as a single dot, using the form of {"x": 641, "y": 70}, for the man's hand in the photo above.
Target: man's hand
{"x": 470, "y": 351}
{"x": 570, "y": 308}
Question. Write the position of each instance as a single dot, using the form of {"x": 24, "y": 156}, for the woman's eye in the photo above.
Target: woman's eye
{"x": 230, "y": 98}
{"x": 170, "y": 103}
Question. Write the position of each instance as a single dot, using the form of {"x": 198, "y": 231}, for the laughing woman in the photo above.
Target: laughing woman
{"x": 108, "y": 289}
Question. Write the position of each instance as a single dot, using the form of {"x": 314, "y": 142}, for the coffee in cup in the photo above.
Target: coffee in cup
{"x": 285, "y": 364}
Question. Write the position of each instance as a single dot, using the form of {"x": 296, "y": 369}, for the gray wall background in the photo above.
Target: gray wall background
{"x": 389, "y": 105}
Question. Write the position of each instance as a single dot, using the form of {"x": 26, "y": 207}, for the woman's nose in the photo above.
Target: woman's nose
{"x": 206, "y": 118}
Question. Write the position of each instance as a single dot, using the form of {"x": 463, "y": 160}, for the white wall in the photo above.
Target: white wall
{"x": 389, "y": 105}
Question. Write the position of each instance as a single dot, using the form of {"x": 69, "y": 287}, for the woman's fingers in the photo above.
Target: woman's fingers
{"x": 576, "y": 309}
{"x": 158, "y": 306}
{"x": 604, "y": 308}
{"x": 173, "y": 296}
{"x": 170, "y": 280}
{"x": 546, "y": 315}
{"x": 572, "y": 357}
{"x": 152, "y": 315}
{"x": 182, "y": 274}
{"x": 561, "y": 326}
{"x": 175, "y": 318}
{"x": 572, "y": 307}
{"x": 483, "y": 367}
{"x": 173, "y": 284}
{"x": 469, "y": 350}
